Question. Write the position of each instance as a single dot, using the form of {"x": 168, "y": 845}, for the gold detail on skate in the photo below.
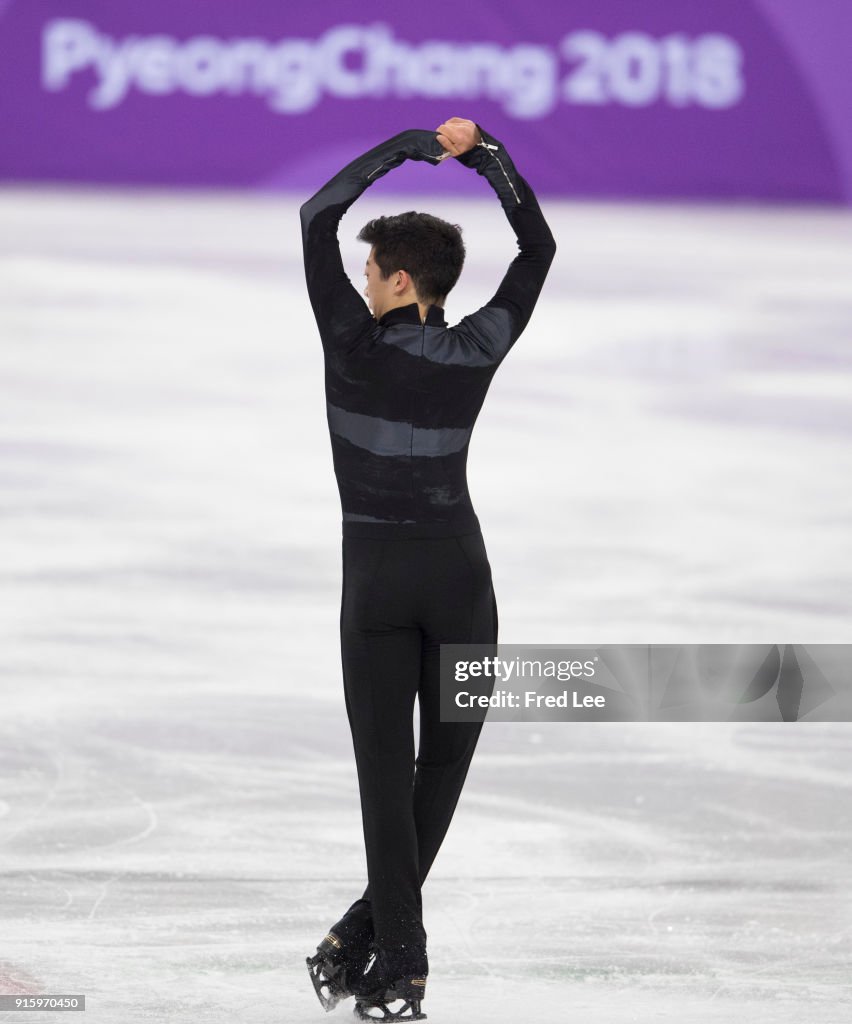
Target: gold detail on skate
{"x": 333, "y": 939}
{"x": 419, "y": 981}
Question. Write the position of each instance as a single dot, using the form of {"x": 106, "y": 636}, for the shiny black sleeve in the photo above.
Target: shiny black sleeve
{"x": 497, "y": 326}
{"x": 341, "y": 313}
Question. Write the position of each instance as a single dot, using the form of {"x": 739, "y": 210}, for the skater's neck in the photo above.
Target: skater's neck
{"x": 430, "y": 314}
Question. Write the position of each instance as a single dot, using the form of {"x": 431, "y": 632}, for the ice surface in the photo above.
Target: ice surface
{"x": 665, "y": 457}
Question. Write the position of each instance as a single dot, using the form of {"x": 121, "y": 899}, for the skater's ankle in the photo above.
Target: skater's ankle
{"x": 402, "y": 960}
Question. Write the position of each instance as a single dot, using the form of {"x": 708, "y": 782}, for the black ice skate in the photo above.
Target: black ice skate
{"x": 342, "y": 955}
{"x": 383, "y": 993}
{"x": 332, "y": 969}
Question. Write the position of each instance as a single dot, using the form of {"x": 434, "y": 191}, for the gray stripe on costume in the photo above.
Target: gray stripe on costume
{"x": 444, "y": 441}
{"x": 467, "y": 344}
{"x": 388, "y": 437}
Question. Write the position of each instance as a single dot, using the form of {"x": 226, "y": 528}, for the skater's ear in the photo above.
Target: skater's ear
{"x": 402, "y": 283}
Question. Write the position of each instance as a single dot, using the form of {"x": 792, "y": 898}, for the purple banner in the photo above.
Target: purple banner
{"x": 738, "y": 98}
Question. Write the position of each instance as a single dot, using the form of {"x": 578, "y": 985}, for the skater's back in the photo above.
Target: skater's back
{"x": 403, "y": 389}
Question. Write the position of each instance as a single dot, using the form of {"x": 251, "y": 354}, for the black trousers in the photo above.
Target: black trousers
{"x": 402, "y": 598}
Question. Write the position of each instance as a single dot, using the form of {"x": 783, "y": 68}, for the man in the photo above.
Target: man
{"x": 403, "y": 390}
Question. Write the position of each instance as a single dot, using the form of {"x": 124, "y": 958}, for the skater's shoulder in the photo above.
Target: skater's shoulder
{"x": 485, "y": 335}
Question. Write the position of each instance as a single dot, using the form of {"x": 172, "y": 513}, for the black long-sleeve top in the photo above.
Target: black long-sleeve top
{"x": 402, "y": 396}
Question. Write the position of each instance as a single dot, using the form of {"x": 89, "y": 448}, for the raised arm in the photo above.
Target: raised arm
{"x": 498, "y": 324}
{"x": 341, "y": 313}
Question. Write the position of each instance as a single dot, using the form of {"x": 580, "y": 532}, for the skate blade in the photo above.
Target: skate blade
{"x": 327, "y": 989}
{"x": 410, "y": 1010}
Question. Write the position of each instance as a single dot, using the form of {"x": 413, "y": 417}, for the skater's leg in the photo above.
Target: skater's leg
{"x": 343, "y": 952}
{"x": 355, "y": 927}
{"x": 381, "y": 650}
{"x": 382, "y": 711}
{"x": 463, "y": 610}
{"x": 466, "y": 615}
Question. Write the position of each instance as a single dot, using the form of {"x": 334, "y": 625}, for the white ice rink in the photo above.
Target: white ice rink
{"x": 664, "y": 458}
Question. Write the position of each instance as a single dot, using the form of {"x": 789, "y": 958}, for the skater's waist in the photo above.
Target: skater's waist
{"x": 363, "y": 526}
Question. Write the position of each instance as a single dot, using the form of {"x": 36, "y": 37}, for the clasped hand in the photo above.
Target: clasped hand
{"x": 458, "y": 135}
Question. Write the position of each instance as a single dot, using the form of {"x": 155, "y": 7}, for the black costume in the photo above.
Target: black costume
{"x": 402, "y": 399}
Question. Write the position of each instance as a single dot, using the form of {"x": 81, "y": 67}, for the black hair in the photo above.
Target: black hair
{"x": 429, "y": 249}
